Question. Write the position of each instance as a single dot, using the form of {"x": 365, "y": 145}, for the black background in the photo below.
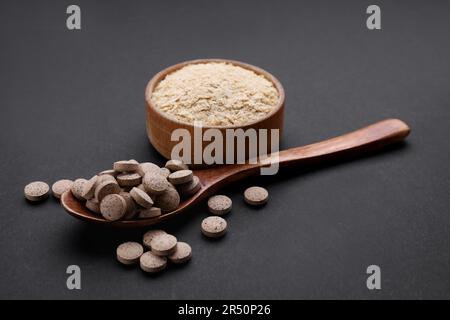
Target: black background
{"x": 72, "y": 102}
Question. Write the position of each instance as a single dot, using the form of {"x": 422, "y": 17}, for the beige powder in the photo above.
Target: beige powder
{"x": 217, "y": 94}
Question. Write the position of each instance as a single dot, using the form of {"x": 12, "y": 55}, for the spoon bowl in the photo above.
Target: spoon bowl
{"x": 212, "y": 179}
{"x": 77, "y": 209}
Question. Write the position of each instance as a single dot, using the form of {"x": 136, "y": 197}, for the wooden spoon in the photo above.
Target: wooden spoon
{"x": 373, "y": 136}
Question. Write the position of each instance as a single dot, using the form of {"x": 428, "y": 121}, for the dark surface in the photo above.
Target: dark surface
{"x": 71, "y": 103}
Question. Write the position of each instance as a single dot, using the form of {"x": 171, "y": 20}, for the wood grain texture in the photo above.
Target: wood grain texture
{"x": 369, "y": 138}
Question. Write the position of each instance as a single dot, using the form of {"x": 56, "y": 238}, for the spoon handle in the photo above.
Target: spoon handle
{"x": 373, "y": 136}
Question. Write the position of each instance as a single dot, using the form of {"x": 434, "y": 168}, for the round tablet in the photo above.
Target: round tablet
{"x": 89, "y": 188}
{"x": 113, "y": 207}
{"x": 169, "y": 200}
{"x": 141, "y": 186}
{"x": 190, "y": 188}
{"x": 126, "y": 165}
{"x": 175, "y": 165}
{"x": 61, "y": 186}
{"x": 182, "y": 253}
{"x": 149, "y": 235}
{"x": 77, "y": 188}
{"x": 147, "y": 167}
{"x": 180, "y": 177}
{"x": 152, "y": 212}
{"x": 256, "y": 196}
{"x": 36, "y": 191}
{"x": 163, "y": 244}
{"x": 155, "y": 183}
{"x": 105, "y": 188}
{"x": 129, "y": 179}
{"x": 141, "y": 198}
{"x": 164, "y": 172}
{"x": 93, "y": 205}
{"x": 129, "y": 252}
{"x": 105, "y": 177}
{"x": 109, "y": 172}
{"x": 219, "y": 205}
{"x": 214, "y": 227}
{"x": 131, "y": 211}
{"x": 152, "y": 263}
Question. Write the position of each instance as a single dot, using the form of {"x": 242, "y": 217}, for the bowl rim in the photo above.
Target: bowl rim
{"x": 163, "y": 73}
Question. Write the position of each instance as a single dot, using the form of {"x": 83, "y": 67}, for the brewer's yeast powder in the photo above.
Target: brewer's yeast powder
{"x": 215, "y": 93}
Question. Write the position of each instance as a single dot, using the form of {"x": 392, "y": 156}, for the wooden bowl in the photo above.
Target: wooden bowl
{"x": 160, "y": 125}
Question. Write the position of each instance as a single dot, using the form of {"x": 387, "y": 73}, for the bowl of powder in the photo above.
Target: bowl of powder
{"x": 208, "y": 94}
